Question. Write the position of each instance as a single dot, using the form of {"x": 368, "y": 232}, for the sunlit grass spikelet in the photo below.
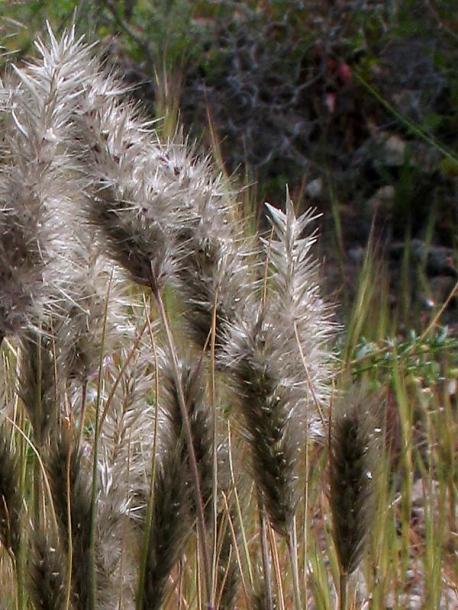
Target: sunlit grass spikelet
{"x": 280, "y": 364}
{"x": 35, "y": 169}
{"x": 296, "y": 307}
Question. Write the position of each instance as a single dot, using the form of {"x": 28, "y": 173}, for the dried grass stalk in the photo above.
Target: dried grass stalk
{"x": 228, "y": 566}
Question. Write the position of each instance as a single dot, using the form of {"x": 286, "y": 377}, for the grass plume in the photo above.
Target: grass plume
{"x": 267, "y": 352}
{"x": 353, "y": 473}
{"x": 133, "y": 425}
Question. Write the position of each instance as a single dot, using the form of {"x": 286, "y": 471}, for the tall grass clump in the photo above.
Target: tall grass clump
{"x": 167, "y": 438}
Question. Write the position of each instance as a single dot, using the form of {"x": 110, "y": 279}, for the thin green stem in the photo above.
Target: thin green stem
{"x": 293, "y": 549}
{"x": 92, "y": 598}
{"x": 343, "y": 586}
{"x": 406, "y": 122}
{"x": 149, "y": 511}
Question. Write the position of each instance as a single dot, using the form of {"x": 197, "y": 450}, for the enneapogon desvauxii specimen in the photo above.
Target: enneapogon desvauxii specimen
{"x": 161, "y": 211}
{"x": 34, "y": 114}
{"x": 280, "y": 363}
{"x": 78, "y": 153}
{"x": 160, "y": 208}
{"x": 354, "y": 464}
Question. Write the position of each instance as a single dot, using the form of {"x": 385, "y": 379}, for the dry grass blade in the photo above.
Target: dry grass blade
{"x": 228, "y": 567}
{"x": 10, "y": 495}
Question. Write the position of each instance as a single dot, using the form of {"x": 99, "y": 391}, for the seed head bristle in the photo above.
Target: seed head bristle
{"x": 295, "y": 307}
{"x": 88, "y": 311}
{"x": 215, "y": 264}
{"x": 277, "y": 354}
{"x": 34, "y": 176}
{"x": 71, "y": 493}
{"x": 128, "y": 436}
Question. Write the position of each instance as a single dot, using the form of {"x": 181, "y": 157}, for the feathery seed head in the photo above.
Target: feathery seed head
{"x": 267, "y": 401}
{"x": 295, "y": 307}
{"x": 21, "y": 267}
{"x": 170, "y": 524}
{"x": 33, "y": 178}
{"x": 38, "y": 386}
{"x": 353, "y": 473}
{"x": 88, "y": 308}
{"x": 278, "y": 359}
{"x": 127, "y": 441}
{"x": 213, "y": 266}
{"x": 141, "y": 246}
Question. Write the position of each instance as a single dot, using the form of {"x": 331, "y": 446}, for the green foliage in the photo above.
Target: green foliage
{"x": 415, "y": 355}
